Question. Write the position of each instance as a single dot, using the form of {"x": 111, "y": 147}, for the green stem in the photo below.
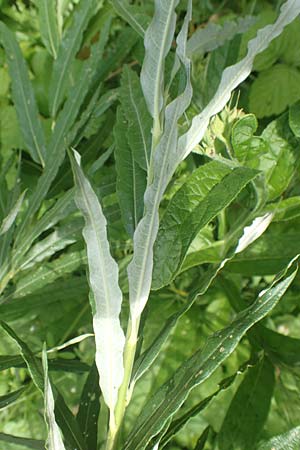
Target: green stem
{"x": 129, "y": 354}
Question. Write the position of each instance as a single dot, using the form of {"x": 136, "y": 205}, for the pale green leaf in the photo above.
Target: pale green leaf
{"x": 9, "y": 220}
{"x": 285, "y": 441}
{"x": 294, "y": 119}
{"x": 132, "y": 15}
{"x": 103, "y": 278}
{"x": 23, "y": 97}
{"x": 48, "y": 26}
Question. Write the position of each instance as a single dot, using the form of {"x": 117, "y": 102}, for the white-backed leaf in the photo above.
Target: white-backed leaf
{"x": 140, "y": 268}
{"x": 23, "y": 97}
{"x": 107, "y": 295}
{"x": 11, "y": 217}
{"x": 54, "y": 439}
{"x": 48, "y": 25}
{"x": 235, "y": 75}
{"x": 158, "y": 40}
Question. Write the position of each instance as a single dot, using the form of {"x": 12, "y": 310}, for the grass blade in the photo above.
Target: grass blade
{"x": 23, "y": 97}
{"x": 103, "y": 278}
{"x": 48, "y": 26}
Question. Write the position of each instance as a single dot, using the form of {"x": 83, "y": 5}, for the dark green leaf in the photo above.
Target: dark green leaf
{"x": 48, "y": 26}
{"x": 202, "y": 439}
{"x": 11, "y": 397}
{"x": 58, "y": 364}
{"x": 294, "y": 119}
{"x": 23, "y": 442}
{"x": 133, "y": 15}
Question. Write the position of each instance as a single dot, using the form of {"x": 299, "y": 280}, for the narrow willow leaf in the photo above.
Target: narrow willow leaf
{"x": 103, "y": 278}
{"x": 193, "y": 207}
{"x": 48, "y": 26}
{"x": 248, "y": 409}
{"x": 131, "y": 179}
{"x": 139, "y": 120}
{"x": 57, "y": 364}
{"x": 23, "y": 442}
{"x": 89, "y": 408}
{"x": 11, "y": 217}
{"x": 133, "y": 15}
{"x": 23, "y": 97}
{"x": 285, "y": 441}
{"x": 158, "y": 40}
{"x": 235, "y": 75}
{"x": 11, "y": 397}
{"x": 54, "y": 439}
{"x": 168, "y": 399}
{"x": 294, "y": 119}
{"x": 140, "y": 268}
{"x": 69, "y": 46}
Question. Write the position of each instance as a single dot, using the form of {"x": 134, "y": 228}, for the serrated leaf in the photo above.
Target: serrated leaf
{"x": 103, "y": 278}
{"x": 285, "y": 441}
{"x": 54, "y": 439}
{"x": 294, "y": 119}
{"x": 168, "y": 399}
{"x": 89, "y": 408}
{"x": 248, "y": 409}
{"x": 48, "y": 26}
{"x": 68, "y": 48}
{"x": 191, "y": 208}
{"x": 9, "y": 220}
{"x": 131, "y": 179}
{"x": 23, "y": 97}
{"x": 234, "y": 75}
{"x": 265, "y": 100}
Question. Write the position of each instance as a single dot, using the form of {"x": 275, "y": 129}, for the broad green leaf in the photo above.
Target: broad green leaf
{"x": 140, "y": 268}
{"x": 168, "y": 399}
{"x": 131, "y": 178}
{"x": 66, "y": 53}
{"x": 11, "y": 397}
{"x": 9, "y": 220}
{"x": 234, "y": 75}
{"x": 158, "y": 40}
{"x": 205, "y": 194}
{"x": 54, "y": 439}
{"x": 248, "y": 409}
{"x": 211, "y": 37}
{"x": 294, "y": 119}
{"x": 138, "y": 118}
{"x": 285, "y": 441}
{"x": 132, "y": 15}
{"x": 247, "y": 147}
{"x": 103, "y": 278}
{"x": 23, "y": 97}
{"x": 48, "y": 26}
{"x": 23, "y": 442}
{"x": 89, "y": 408}
{"x": 265, "y": 100}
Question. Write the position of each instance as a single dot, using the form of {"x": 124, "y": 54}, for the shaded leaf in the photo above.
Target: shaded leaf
{"x": 24, "y": 442}
{"x": 132, "y": 15}
{"x": 11, "y": 397}
{"x": 48, "y": 26}
{"x": 294, "y": 119}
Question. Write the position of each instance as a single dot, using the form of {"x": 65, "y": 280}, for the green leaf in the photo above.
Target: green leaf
{"x": 24, "y": 442}
{"x": 202, "y": 439}
{"x": 158, "y": 40}
{"x": 9, "y": 220}
{"x": 286, "y": 441}
{"x": 11, "y": 397}
{"x": 23, "y": 97}
{"x": 265, "y": 100}
{"x": 168, "y": 399}
{"x": 89, "y": 408}
{"x": 233, "y": 76}
{"x": 103, "y": 278}
{"x": 131, "y": 179}
{"x": 294, "y": 119}
{"x": 247, "y": 147}
{"x": 48, "y": 26}
{"x": 54, "y": 439}
{"x": 57, "y": 364}
{"x": 248, "y": 409}
{"x": 206, "y": 193}
{"x": 132, "y": 15}
{"x": 67, "y": 51}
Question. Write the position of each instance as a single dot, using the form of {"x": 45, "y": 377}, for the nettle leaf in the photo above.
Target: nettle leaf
{"x": 206, "y": 193}
{"x": 168, "y": 399}
{"x": 48, "y": 26}
{"x": 247, "y": 147}
{"x": 294, "y": 119}
{"x": 23, "y": 97}
{"x": 248, "y": 409}
{"x": 66, "y": 53}
{"x": 131, "y": 178}
{"x": 103, "y": 278}
{"x": 265, "y": 100}
{"x": 54, "y": 439}
{"x": 234, "y": 75}
{"x": 285, "y": 441}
